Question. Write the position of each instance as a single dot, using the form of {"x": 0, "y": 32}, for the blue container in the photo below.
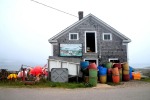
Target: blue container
{"x": 102, "y": 70}
{"x": 130, "y": 72}
{"x": 84, "y": 64}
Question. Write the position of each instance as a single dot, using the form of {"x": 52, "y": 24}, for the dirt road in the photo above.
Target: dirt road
{"x": 135, "y": 92}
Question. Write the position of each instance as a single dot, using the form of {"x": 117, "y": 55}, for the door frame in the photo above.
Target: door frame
{"x": 95, "y": 40}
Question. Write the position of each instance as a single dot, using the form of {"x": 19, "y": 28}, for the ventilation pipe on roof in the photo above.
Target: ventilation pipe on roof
{"x": 80, "y": 15}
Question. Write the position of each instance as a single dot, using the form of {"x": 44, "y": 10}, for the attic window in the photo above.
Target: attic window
{"x": 73, "y": 36}
{"x": 107, "y": 36}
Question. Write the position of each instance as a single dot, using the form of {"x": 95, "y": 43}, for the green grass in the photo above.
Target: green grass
{"x": 146, "y": 79}
{"x": 42, "y": 84}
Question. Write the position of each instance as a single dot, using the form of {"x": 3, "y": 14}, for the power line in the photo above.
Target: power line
{"x": 53, "y": 8}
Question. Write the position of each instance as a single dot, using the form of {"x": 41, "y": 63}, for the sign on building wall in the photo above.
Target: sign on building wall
{"x": 71, "y": 50}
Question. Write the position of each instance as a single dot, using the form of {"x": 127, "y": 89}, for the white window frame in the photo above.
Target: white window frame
{"x": 126, "y": 44}
{"x": 107, "y": 34}
{"x": 73, "y": 33}
{"x": 112, "y": 59}
{"x": 92, "y": 59}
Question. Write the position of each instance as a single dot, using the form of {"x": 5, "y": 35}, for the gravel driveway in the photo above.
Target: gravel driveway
{"x": 127, "y": 91}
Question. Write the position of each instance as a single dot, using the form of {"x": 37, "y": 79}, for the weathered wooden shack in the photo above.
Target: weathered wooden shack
{"x": 90, "y": 39}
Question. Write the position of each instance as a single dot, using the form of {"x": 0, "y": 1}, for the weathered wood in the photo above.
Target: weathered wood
{"x": 106, "y": 49}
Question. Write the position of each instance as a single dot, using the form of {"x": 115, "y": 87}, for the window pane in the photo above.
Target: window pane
{"x": 106, "y": 37}
{"x": 73, "y": 36}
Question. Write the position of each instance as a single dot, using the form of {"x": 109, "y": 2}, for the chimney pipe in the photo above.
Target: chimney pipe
{"x": 80, "y": 13}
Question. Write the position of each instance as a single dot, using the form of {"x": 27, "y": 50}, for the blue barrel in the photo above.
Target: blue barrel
{"x": 130, "y": 72}
{"x": 102, "y": 70}
{"x": 84, "y": 64}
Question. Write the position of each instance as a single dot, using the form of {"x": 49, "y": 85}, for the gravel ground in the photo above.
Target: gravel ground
{"x": 131, "y": 83}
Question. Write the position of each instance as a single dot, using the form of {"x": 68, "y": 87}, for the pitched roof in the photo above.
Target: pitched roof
{"x": 54, "y": 38}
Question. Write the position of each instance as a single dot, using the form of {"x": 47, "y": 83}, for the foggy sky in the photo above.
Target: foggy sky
{"x": 26, "y": 26}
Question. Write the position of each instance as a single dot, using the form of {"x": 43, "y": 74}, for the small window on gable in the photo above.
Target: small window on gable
{"x": 107, "y": 36}
{"x": 73, "y": 36}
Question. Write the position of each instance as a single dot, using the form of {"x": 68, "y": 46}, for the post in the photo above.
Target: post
{"x": 77, "y": 71}
{"x": 23, "y": 75}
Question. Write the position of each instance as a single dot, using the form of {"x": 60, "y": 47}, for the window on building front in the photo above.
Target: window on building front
{"x": 107, "y": 36}
{"x": 114, "y": 60}
{"x": 73, "y": 36}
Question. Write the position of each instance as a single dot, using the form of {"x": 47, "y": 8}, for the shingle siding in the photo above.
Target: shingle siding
{"x": 107, "y": 49}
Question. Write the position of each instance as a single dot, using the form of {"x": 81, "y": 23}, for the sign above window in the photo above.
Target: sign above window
{"x": 73, "y": 36}
{"x": 71, "y": 50}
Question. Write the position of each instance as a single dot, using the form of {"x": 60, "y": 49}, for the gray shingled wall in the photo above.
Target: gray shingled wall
{"x": 107, "y": 49}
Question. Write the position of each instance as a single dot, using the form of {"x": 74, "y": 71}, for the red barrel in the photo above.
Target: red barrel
{"x": 126, "y": 77}
{"x": 115, "y": 71}
{"x": 92, "y": 66}
{"x": 109, "y": 71}
{"x": 115, "y": 78}
{"x": 118, "y": 65}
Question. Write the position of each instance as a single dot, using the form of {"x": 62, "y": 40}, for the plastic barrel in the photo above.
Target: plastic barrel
{"x": 109, "y": 77}
{"x": 115, "y": 78}
{"x": 109, "y": 71}
{"x": 102, "y": 70}
{"x": 120, "y": 74}
{"x": 93, "y": 81}
{"x": 120, "y": 71}
{"x": 92, "y": 66}
{"x": 118, "y": 65}
{"x": 126, "y": 77}
{"x": 125, "y": 72}
{"x": 115, "y": 71}
{"x": 120, "y": 77}
{"x": 103, "y": 78}
{"x": 125, "y": 66}
{"x": 84, "y": 64}
{"x": 92, "y": 73}
{"x": 108, "y": 65}
{"x": 130, "y": 72}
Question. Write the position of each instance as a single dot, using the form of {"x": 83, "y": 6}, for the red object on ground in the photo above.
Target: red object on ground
{"x": 36, "y": 71}
{"x": 45, "y": 72}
